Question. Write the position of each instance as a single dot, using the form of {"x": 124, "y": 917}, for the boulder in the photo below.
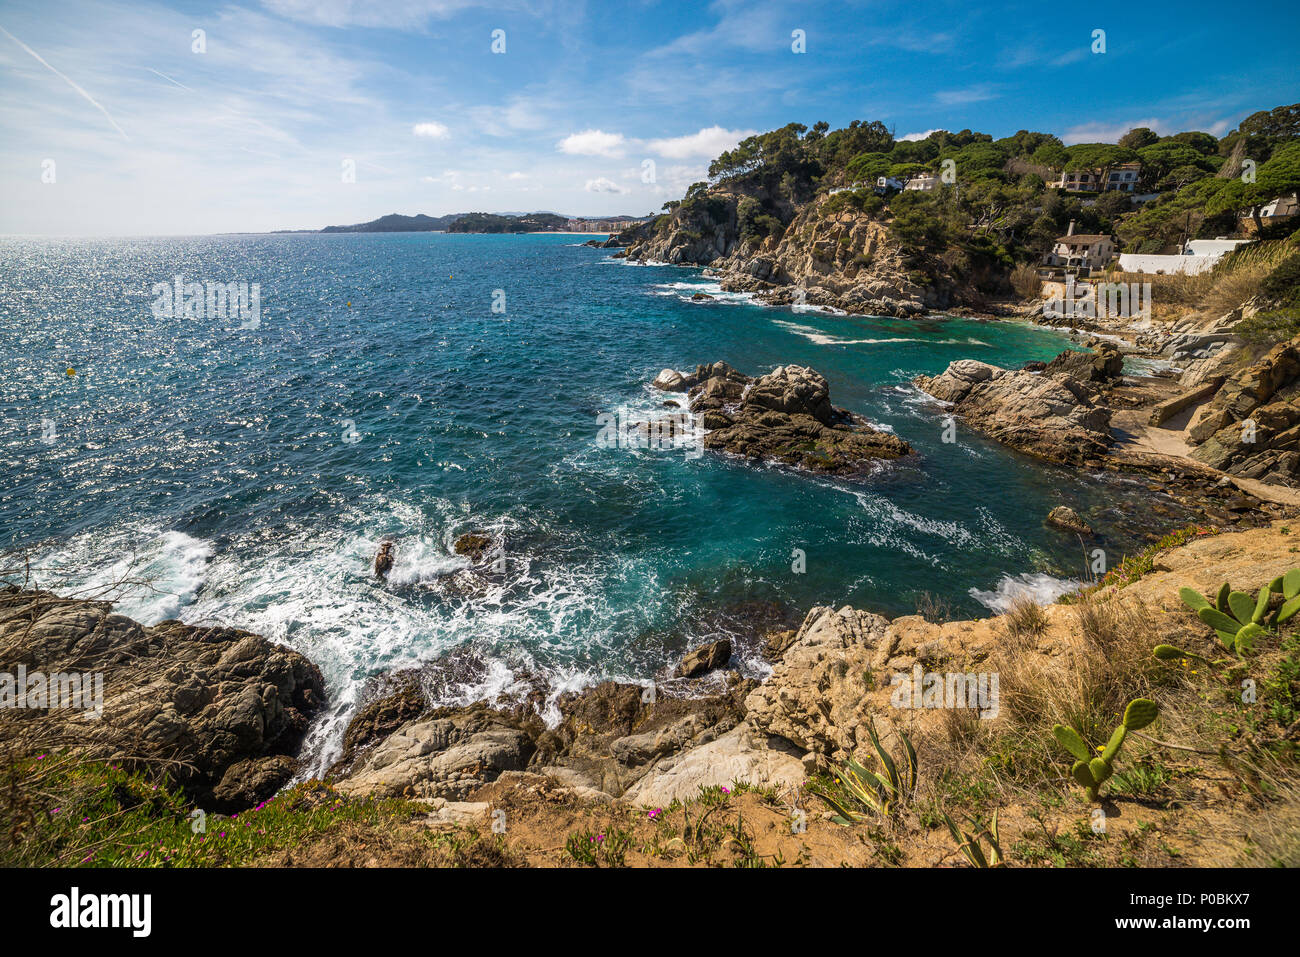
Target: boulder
{"x": 705, "y": 658}
{"x": 226, "y": 708}
{"x": 445, "y": 755}
{"x": 1067, "y": 518}
{"x": 739, "y": 755}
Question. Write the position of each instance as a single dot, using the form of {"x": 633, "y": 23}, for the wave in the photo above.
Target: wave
{"x": 1036, "y": 586}
{"x": 825, "y": 339}
{"x": 148, "y": 574}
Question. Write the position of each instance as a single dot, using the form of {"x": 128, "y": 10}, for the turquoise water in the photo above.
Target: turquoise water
{"x": 210, "y": 460}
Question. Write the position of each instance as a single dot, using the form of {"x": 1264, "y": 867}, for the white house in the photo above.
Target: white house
{"x": 1081, "y": 250}
{"x": 1122, "y": 178}
{"x": 924, "y": 182}
{"x": 884, "y": 183}
{"x": 1277, "y": 210}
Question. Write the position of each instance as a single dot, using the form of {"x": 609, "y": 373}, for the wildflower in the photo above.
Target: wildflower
{"x": 655, "y": 813}
{"x": 726, "y": 791}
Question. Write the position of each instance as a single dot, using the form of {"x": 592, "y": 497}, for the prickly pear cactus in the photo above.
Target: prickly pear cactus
{"x": 1092, "y": 772}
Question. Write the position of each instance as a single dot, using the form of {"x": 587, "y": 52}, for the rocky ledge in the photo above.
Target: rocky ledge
{"x": 1049, "y": 413}
{"x": 224, "y": 710}
{"x": 785, "y": 416}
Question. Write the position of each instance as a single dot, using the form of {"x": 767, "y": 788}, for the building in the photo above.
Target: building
{"x": 1122, "y": 178}
{"x": 924, "y": 182}
{"x": 601, "y": 225}
{"x": 1082, "y": 251}
{"x": 1277, "y": 210}
{"x": 885, "y": 183}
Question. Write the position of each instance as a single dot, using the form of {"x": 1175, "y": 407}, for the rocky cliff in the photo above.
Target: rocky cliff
{"x": 828, "y": 254}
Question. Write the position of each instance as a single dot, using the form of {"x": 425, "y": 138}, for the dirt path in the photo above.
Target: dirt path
{"x": 1139, "y": 443}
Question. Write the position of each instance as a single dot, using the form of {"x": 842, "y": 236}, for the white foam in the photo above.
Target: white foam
{"x": 1037, "y": 586}
{"x": 825, "y": 339}
{"x": 149, "y": 575}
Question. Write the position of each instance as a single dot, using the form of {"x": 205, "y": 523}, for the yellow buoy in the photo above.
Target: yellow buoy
{"x": 71, "y": 371}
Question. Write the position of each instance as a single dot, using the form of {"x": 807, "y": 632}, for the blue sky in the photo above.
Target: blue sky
{"x": 148, "y": 136}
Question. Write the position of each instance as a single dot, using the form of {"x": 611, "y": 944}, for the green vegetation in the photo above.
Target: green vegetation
{"x": 1238, "y": 619}
{"x": 969, "y": 844}
{"x": 1092, "y": 772}
{"x": 492, "y": 223}
{"x": 858, "y": 792}
{"x": 66, "y": 811}
{"x": 599, "y": 850}
{"x": 993, "y": 209}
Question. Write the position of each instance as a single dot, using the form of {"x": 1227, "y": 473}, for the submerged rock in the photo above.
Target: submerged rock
{"x": 473, "y": 545}
{"x": 1067, "y": 518}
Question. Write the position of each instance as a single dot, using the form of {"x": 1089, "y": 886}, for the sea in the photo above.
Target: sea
{"x": 239, "y": 462}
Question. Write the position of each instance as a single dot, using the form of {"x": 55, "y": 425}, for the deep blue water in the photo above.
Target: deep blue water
{"x": 210, "y": 460}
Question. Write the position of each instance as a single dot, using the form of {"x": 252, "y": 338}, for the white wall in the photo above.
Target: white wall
{"x": 1191, "y": 265}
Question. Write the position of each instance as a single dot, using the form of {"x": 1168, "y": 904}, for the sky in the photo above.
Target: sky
{"x": 118, "y": 118}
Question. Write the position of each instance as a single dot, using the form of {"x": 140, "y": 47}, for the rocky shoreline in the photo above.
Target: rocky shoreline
{"x": 231, "y": 706}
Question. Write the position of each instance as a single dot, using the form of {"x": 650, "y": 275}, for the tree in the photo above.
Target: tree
{"x": 1138, "y": 137}
{"x": 1203, "y": 143}
{"x": 1051, "y": 155}
{"x": 1267, "y": 130}
{"x": 867, "y": 167}
{"x": 1159, "y": 159}
{"x": 838, "y": 147}
{"x": 1278, "y": 176}
{"x": 1025, "y": 143}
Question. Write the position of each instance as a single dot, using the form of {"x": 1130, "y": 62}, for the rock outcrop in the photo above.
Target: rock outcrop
{"x": 785, "y": 415}
{"x": 1252, "y": 425}
{"x": 705, "y": 658}
{"x": 824, "y": 253}
{"x": 1049, "y": 416}
{"x": 226, "y": 709}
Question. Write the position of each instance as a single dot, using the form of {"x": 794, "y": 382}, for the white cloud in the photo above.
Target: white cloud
{"x": 709, "y": 142}
{"x": 971, "y": 94}
{"x": 517, "y": 175}
{"x": 394, "y": 14}
{"x": 431, "y": 129}
{"x": 1111, "y": 132}
{"x": 593, "y": 143}
{"x": 913, "y": 137}
{"x": 603, "y": 185}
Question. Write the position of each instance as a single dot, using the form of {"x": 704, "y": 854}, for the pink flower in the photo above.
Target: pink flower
{"x": 655, "y": 813}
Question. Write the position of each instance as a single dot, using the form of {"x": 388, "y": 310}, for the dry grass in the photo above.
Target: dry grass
{"x": 1025, "y": 621}
{"x": 1234, "y": 279}
{"x": 933, "y": 609}
{"x": 1025, "y": 281}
